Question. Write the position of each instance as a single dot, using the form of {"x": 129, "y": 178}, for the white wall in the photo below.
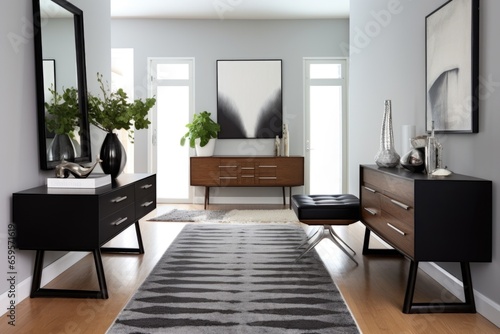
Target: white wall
{"x": 388, "y": 62}
{"x": 210, "y": 40}
{"x": 19, "y": 150}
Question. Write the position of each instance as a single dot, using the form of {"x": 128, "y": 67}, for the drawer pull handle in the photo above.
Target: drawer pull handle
{"x": 370, "y": 189}
{"x": 119, "y": 199}
{"x": 268, "y": 166}
{"x": 146, "y": 186}
{"x": 252, "y": 168}
{"x": 371, "y": 211}
{"x": 119, "y": 221}
{"x": 396, "y": 229}
{"x": 145, "y": 205}
{"x": 228, "y": 177}
{"x": 228, "y": 166}
{"x": 401, "y": 205}
{"x": 267, "y": 177}
{"x": 247, "y": 176}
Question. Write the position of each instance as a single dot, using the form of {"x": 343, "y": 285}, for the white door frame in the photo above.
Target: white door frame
{"x": 345, "y": 95}
{"x": 152, "y": 85}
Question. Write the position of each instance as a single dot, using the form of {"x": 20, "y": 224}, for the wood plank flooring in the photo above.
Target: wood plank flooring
{"x": 374, "y": 290}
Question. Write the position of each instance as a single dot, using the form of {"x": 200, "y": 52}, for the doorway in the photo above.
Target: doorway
{"x": 325, "y": 88}
{"x": 172, "y": 83}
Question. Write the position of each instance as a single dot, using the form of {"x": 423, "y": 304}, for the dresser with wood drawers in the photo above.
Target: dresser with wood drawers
{"x": 68, "y": 219}
{"x": 429, "y": 219}
{"x": 246, "y": 171}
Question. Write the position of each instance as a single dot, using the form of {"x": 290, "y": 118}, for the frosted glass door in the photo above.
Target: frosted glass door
{"x": 173, "y": 88}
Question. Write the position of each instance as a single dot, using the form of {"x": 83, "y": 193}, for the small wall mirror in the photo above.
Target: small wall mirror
{"x": 63, "y": 127}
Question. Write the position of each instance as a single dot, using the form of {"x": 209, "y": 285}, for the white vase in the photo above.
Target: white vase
{"x": 286, "y": 141}
{"x": 205, "y": 151}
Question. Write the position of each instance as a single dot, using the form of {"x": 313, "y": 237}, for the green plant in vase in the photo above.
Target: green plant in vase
{"x": 114, "y": 111}
{"x": 62, "y": 119}
{"x": 201, "y": 131}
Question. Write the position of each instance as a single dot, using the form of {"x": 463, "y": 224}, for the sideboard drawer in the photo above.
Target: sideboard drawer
{"x": 397, "y": 233}
{"x": 397, "y": 188}
{"x": 116, "y": 200}
{"x": 113, "y": 224}
{"x": 370, "y": 206}
{"x": 400, "y": 210}
{"x": 145, "y": 205}
{"x": 145, "y": 187}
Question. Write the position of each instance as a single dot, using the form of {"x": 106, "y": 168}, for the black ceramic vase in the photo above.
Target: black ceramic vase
{"x": 61, "y": 148}
{"x": 113, "y": 155}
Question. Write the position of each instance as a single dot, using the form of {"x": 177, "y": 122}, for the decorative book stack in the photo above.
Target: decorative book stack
{"x": 92, "y": 181}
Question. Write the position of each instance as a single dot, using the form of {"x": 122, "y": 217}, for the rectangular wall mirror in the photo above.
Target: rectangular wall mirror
{"x": 63, "y": 128}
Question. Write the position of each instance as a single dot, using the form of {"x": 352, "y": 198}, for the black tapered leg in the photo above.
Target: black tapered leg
{"x": 100, "y": 273}
{"x": 37, "y": 291}
{"x": 410, "y": 287}
{"x": 37, "y": 273}
{"x": 468, "y": 306}
{"x": 375, "y": 251}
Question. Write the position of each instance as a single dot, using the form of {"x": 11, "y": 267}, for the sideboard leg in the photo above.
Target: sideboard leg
{"x": 37, "y": 273}
{"x": 100, "y": 273}
{"x": 207, "y": 197}
{"x": 376, "y": 251}
{"x": 468, "y": 306}
{"x": 139, "y": 237}
{"x": 410, "y": 287}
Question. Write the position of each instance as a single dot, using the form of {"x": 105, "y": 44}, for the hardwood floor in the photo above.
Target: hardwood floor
{"x": 374, "y": 290}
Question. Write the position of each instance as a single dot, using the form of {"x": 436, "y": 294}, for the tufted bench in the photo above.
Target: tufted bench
{"x": 327, "y": 210}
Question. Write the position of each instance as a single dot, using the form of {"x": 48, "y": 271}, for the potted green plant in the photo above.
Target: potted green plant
{"x": 113, "y": 111}
{"x": 63, "y": 117}
{"x": 202, "y": 132}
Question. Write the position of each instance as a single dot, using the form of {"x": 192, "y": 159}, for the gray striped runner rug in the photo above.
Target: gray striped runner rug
{"x": 237, "y": 278}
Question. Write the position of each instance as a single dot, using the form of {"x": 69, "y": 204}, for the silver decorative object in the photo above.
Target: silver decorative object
{"x": 433, "y": 153}
{"x": 413, "y": 161}
{"x": 387, "y": 155}
{"x": 65, "y": 168}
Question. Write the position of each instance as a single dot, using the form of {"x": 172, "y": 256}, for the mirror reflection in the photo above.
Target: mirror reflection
{"x": 61, "y": 81}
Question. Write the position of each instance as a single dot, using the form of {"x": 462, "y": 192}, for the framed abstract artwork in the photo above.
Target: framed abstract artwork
{"x": 452, "y": 67}
{"x": 249, "y": 98}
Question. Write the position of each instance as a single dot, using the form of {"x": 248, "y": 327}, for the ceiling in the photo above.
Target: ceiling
{"x": 230, "y": 9}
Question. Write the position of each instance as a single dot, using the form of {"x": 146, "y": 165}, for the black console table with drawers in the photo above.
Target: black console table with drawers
{"x": 64, "y": 219}
{"x": 429, "y": 219}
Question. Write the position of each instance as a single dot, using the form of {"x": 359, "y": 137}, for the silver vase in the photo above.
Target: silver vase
{"x": 387, "y": 155}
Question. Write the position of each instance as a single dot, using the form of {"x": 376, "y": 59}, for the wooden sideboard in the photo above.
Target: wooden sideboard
{"x": 63, "y": 219}
{"x": 427, "y": 218}
{"x": 246, "y": 171}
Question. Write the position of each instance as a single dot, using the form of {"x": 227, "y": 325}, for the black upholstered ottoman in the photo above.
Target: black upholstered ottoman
{"x": 327, "y": 210}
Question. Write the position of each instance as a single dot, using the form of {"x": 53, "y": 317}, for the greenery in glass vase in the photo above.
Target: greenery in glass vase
{"x": 113, "y": 111}
{"x": 202, "y": 127}
{"x": 63, "y": 113}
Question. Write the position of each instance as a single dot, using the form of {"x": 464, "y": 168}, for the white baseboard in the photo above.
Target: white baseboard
{"x": 23, "y": 289}
{"x": 484, "y": 306}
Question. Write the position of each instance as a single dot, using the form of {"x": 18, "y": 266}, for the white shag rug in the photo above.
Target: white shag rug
{"x": 232, "y": 216}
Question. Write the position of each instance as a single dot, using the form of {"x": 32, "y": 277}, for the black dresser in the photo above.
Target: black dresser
{"x": 429, "y": 219}
{"x": 63, "y": 219}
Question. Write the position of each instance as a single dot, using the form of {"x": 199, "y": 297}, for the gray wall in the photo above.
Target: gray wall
{"x": 389, "y": 63}
{"x": 210, "y": 40}
{"x": 19, "y": 150}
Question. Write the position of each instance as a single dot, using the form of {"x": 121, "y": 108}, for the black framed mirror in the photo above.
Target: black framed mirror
{"x": 61, "y": 83}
